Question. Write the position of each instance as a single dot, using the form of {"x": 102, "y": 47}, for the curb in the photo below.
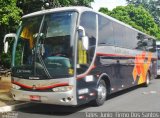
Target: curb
{"x": 9, "y": 108}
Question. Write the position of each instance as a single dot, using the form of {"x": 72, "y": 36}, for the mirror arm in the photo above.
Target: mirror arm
{"x": 9, "y": 35}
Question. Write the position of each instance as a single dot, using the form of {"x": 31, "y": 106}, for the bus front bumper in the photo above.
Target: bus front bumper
{"x": 57, "y": 98}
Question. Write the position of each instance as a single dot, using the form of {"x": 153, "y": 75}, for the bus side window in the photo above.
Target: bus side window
{"x": 105, "y": 31}
{"x": 88, "y": 22}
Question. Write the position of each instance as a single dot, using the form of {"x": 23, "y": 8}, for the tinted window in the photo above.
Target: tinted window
{"x": 88, "y": 21}
{"x": 113, "y": 33}
{"x": 151, "y": 45}
{"x": 85, "y": 57}
{"x": 142, "y": 41}
{"x": 105, "y": 29}
{"x": 131, "y": 38}
{"x": 119, "y": 34}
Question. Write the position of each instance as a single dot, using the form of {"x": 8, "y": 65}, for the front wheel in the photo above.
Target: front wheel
{"x": 101, "y": 93}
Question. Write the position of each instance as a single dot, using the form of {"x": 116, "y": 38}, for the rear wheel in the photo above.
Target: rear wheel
{"x": 101, "y": 93}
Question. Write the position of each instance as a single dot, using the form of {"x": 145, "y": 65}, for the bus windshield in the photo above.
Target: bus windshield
{"x": 45, "y": 46}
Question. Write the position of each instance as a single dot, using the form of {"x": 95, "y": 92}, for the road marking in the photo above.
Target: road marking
{"x": 153, "y": 92}
{"x": 5, "y": 109}
{"x": 150, "y": 92}
{"x": 145, "y": 93}
{"x": 13, "y": 107}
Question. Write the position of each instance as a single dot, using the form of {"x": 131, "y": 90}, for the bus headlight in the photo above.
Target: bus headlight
{"x": 62, "y": 89}
{"x": 14, "y": 86}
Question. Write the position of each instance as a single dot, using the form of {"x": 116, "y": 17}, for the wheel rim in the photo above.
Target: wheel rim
{"x": 147, "y": 81}
{"x": 101, "y": 92}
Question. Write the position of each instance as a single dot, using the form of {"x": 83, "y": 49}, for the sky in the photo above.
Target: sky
{"x": 110, "y": 4}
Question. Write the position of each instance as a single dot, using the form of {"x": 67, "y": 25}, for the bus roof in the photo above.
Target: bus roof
{"x": 82, "y": 9}
{"x": 75, "y": 8}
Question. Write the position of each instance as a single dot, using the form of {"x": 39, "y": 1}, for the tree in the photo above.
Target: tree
{"x": 29, "y": 6}
{"x": 104, "y": 10}
{"x": 153, "y": 6}
{"x": 137, "y": 17}
{"x": 9, "y": 20}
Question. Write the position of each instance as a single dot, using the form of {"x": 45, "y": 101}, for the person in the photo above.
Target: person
{"x": 58, "y": 51}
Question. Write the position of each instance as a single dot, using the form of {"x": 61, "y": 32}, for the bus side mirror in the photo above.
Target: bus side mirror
{"x": 85, "y": 42}
{"x": 11, "y": 35}
{"x": 84, "y": 38}
{"x": 6, "y": 47}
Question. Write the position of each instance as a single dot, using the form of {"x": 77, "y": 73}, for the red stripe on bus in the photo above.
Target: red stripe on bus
{"x": 120, "y": 55}
{"x": 115, "y": 55}
{"x": 41, "y": 88}
{"x": 85, "y": 74}
{"x": 109, "y": 55}
{"x": 22, "y": 85}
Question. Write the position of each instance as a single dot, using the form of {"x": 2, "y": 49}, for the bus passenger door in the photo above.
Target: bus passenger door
{"x": 85, "y": 56}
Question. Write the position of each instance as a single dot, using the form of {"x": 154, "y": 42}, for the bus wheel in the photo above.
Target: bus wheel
{"x": 101, "y": 93}
{"x": 146, "y": 84}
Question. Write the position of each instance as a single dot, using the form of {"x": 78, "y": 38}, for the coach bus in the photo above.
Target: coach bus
{"x": 74, "y": 55}
{"x": 158, "y": 54}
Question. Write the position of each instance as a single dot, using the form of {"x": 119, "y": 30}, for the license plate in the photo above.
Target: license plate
{"x": 35, "y": 98}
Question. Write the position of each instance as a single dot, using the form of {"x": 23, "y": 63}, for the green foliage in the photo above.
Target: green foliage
{"x": 9, "y": 12}
{"x": 9, "y": 19}
{"x": 29, "y": 6}
{"x": 75, "y": 2}
{"x": 137, "y": 17}
{"x": 153, "y": 6}
{"x": 104, "y": 10}
{"x": 6, "y": 59}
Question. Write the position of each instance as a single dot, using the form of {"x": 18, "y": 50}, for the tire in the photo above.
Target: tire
{"x": 146, "y": 84}
{"x": 101, "y": 93}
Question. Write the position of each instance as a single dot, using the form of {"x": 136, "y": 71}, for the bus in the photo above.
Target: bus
{"x": 158, "y": 54}
{"x": 74, "y": 55}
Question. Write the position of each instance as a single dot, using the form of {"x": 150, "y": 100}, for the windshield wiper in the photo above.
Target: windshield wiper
{"x": 43, "y": 64}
